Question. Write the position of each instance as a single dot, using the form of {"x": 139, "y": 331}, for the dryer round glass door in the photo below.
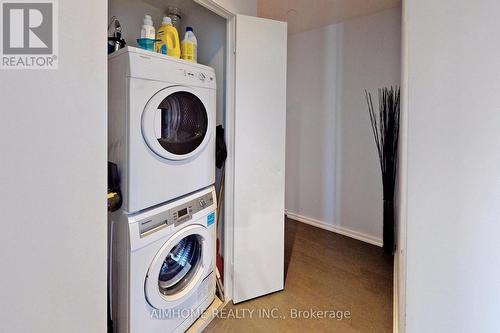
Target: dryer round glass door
{"x": 176, "y": 123}
{"x": 179, "y": 267}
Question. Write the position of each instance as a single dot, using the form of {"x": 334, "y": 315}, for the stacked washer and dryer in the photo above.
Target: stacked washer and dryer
{"x": 162, "y": 137}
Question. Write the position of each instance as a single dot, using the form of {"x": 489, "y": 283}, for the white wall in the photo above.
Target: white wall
{"x": 453, "y": 175}
{"x": 333, "y": 174}
{"x": 53, "y": 183}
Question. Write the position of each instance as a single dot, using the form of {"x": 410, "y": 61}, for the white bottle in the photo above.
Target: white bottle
{"x": 148, "y": 30}
{"x": 189, "y": 46}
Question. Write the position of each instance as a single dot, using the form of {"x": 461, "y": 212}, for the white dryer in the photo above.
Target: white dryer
{"x": 161, "y": 126}
{"x": 163, "y": 262}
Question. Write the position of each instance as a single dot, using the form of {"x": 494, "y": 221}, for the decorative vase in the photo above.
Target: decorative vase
{"x": 389, "y": 232}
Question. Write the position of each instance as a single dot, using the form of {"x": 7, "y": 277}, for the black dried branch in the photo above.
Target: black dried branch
{"x": 386, "y": 133}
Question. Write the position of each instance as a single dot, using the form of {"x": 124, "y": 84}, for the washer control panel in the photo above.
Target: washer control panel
{"x": 176, "y": 215}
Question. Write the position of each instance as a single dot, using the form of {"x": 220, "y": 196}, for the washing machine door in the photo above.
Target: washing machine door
{"x": 176, "y": 124}
{"x": 178, "y": 268}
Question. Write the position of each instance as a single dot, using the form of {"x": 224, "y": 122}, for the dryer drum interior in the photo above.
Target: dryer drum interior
{"x": 184, "y": 123}
{"x": 180, "y": 265}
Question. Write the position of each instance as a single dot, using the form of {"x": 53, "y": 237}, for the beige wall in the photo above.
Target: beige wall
{"x": 245, "y": 7}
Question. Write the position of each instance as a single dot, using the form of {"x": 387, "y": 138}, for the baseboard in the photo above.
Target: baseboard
{"x": 337, "y": 229}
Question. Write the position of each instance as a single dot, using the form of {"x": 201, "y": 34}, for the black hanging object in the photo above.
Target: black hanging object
{"x": 116, "y": 41}
{"x": 114, "y": 192}
{"x": 220, "y": 147}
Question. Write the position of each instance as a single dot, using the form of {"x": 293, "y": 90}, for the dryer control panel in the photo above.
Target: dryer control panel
{"x": 176, "y": 215}
{"x": 198, "y": 76}
{"x": 142, "y": 64}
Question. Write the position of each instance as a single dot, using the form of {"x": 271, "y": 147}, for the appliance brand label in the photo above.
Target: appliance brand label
{"x": 210, "y": 219}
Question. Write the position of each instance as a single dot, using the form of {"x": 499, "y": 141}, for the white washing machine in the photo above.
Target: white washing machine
{"x": 163, "y": 263}
{"x": 161, "y": 126}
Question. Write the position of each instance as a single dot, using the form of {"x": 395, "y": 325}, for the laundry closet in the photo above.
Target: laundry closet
{"x": 163, "y": 239}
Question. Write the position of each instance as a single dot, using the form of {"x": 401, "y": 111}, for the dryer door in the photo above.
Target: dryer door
{"x": 178, "y": 268}
{"x": 176, "y": 123}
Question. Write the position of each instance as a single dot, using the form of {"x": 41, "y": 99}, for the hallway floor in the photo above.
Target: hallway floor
{"x": 324, "y": 271}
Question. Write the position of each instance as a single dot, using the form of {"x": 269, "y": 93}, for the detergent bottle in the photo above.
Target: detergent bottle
{"x": 148, "y": 30}
{"x": 189, "y": 46}
{"x": 169, "y": 39}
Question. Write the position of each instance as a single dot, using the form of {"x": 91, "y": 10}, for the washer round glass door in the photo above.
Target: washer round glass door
{"x": 176, "y": 124}
{"x": 178, "y": 268}
{"x": 180, "y": 265}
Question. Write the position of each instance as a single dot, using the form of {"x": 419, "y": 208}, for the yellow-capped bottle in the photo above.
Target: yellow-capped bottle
{"x": 169, "y": 39}
{"x": 189, "y": 46}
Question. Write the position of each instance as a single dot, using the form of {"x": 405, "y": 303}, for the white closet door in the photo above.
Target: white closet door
{"x": 260, "y": 127}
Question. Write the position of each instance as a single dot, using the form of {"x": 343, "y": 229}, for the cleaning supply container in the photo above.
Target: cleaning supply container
{"x": 148, "y": 30}
{"x": 148, "y": 35}
{"x": 169, "y": 39}
{"x": 146, "y": 44}
{"x": 189, "y": 46}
